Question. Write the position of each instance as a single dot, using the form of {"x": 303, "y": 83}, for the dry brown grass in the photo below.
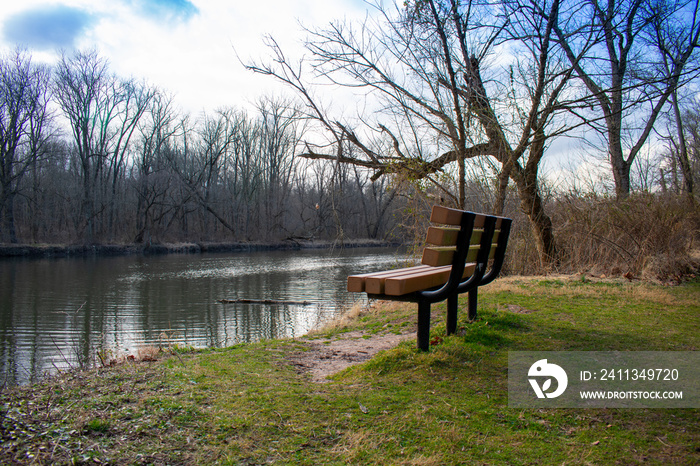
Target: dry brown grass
{"x": 345, "y": 319}
{"x": 646, "y": 236}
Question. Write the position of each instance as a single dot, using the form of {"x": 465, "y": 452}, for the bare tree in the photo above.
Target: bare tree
{"x": 682, "y": 155}
{"x": 152, "y": 179}
{"x": 24, "y": 121}
{"x": 200, "y": 157}
{"x": 673, "y": 42}
{"x": 631, "y": 55}
{"x": 426, "y": 67}
{"x": 83, "y": 86}
{"x": 279, "y": 133}
{"x": 131, "y": 99}
{"x": 680, "y": 148}
{"x": 376, "y": 198}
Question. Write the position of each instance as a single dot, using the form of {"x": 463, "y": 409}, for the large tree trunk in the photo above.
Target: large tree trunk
{"x": 620, "y": 167}
{"x": 502, "y": 179}
{"x": 540, "y": 223}
{"x": 88, "y": 206}
{"x": 682, "y": 151}
{"x": 8, "y": 231}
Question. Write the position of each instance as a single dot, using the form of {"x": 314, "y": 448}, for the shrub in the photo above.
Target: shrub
{"x": 646, "y": 235}
{"x": 654, "y": 237}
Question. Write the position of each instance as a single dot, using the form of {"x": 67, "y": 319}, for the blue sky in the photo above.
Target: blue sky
{"x": 47, "y": 26}
{"x": 187, "y": 47}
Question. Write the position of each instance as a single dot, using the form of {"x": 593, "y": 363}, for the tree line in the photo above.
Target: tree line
{"x": 90, "y": 157}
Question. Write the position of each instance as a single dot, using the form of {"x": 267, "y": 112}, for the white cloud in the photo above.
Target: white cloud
{"x": 192, "y": 54}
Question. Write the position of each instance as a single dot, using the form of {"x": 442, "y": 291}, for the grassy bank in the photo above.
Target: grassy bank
{"x": 250, "y": 405}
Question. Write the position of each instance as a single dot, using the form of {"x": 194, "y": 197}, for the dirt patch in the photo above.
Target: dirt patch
{"x": 514, "y": 308}
{"x": 325, "y": 357}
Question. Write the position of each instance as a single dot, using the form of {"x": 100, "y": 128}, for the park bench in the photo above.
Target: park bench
{"x": 464, "y": 251}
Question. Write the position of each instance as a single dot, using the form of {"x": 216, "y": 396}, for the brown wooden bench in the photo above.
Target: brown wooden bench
{"x": 465, "y": 251}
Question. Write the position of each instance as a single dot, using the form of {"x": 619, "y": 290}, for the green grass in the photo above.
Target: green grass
{"x": 248, "y": 405}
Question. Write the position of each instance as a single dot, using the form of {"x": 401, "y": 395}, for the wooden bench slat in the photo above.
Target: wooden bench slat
{"x": 446, "y": 216}
{"x": 446, "y": 236}
{"x": 402, "y": 285}
{"x": 471, "y": 257}
{"x": 476, "y": 236}
{"x": 377, "y": 284}
{"x": 356, "y": 283}
{"x": 438, "y": 256}
{"x": 442, "y": 236}
{"x": 443, "y": 255}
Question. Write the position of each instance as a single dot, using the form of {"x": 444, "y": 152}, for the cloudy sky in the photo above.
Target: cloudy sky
{"x": 188, "y": 47}
{"x": 191, "y": 47}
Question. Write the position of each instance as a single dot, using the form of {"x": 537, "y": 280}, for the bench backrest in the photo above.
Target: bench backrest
{"x": 461, "y": 246}
{"x": 465, "y": 240}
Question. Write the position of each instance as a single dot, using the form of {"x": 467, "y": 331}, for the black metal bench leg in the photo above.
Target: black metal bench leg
{"x": 452, "y": 314}
{"x": 472, "y": 303}
{"x": 423, "y": 325}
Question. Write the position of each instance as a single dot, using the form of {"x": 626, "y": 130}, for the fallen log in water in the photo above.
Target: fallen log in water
{"x": 264, "y": 301}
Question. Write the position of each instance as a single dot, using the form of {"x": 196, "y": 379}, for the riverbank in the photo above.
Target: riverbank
{"x": 284, "y": 401}
{"x": 50, "y": 251}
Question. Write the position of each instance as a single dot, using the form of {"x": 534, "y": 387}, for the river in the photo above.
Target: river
{"x": 57, "y": 314}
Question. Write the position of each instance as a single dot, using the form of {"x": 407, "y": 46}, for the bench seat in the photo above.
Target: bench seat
{"x": 401, "y": 282}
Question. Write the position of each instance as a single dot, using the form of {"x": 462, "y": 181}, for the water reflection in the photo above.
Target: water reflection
{"x": 59, "y": 313}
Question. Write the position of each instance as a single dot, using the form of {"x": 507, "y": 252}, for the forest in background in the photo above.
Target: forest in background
{"x": 101, "y": 159}
{"x": 88, "y": 157}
